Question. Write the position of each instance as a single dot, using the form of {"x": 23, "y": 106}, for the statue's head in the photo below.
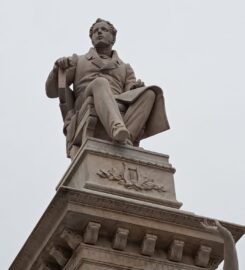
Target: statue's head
{"x": 102, "y": 33}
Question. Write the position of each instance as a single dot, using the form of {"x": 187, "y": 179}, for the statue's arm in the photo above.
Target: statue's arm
{"x": 230, "y": 254}
{"x": 67, "y": 63}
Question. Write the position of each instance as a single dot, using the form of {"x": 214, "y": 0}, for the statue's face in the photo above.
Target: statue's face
{"x": 102, "y": 36}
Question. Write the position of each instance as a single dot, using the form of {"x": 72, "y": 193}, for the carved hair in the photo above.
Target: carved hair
{"x": 113, "y": 30}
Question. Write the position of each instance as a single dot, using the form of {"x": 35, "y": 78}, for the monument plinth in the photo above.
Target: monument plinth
{"x": 95, "y": 222}
{"x": 127, "y": 171}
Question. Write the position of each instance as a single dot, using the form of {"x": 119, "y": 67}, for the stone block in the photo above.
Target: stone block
{"x": 176, "y": 251}
{"x": 148, "y": 244}
{"x": 58, "y": 256}
{"x": 123, "y": 170}
{"x": 120, "y": 239}
{"x": 91, "y": 233}
{"x": 203, "y": 256}
{"x": 71, "y": 239}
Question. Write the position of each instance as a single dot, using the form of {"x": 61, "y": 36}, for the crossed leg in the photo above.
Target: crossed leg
{"x": 107, "y": 109}
{"x": 138, "y": 113}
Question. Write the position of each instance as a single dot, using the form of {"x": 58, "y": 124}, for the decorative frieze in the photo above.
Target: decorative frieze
{"x": 131, "y": 178}
{"x": 58, "y": 257}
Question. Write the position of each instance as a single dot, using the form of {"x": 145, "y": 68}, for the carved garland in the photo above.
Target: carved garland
{"x": 130, "y": 178}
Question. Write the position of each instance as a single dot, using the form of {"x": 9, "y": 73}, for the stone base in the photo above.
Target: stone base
{"x": 87, "y": 230}
{"x": 123, "y": 170}
{"x": 105, "y": 219}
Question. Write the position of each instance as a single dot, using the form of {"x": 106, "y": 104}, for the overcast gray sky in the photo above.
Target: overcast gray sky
{"x": 194, "y": 49}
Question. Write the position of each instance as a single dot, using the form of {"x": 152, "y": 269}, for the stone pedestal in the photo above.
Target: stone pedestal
{"x": 124, "y": 171}
{"x": 116, "y": 208}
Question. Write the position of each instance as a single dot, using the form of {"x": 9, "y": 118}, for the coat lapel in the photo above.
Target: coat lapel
{"x": 111, "y": 65}
{"x": 96, "y": 60}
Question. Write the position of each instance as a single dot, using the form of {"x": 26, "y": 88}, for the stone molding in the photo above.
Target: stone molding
{"x": 120, "y": 152}
{"x": 113, "y": 260}
{"x": 53, "y": 221}
{"x": 160, "y": 213}
{"x": 174, "y": 261}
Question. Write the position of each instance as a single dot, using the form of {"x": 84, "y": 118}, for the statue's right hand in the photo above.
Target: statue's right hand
{"x": 217, "y": 228}
{"x": 63, "y": 63}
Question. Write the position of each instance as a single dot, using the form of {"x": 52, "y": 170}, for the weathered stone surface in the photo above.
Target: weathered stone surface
{"x": 100, "y": 258}
{"x": 43, "y": 267}
{"x": 88, "y": 224}
{"x": 91, "y": 233}
{"x": 176, "y": 251}
{"x": 148, "y": 244}
{"x": 203, "y": 256}
{"x": 122, "y": 170}
{"x": 72, "y": 239}
{"x": 58, "y": 256}
{"x": 76, "y": 208}
{"x": 120, "y": 239}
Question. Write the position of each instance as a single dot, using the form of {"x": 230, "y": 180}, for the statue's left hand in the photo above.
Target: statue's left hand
{"x": 137, "y": 84}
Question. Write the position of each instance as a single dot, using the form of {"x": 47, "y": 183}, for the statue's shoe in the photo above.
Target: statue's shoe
{"x": 120, "y": 134}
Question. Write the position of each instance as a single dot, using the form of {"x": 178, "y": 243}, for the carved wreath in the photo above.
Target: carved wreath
{"x": 138, "y": 183}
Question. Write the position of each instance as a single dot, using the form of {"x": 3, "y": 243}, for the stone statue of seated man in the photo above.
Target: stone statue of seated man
{"x": 100, "y": 73}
